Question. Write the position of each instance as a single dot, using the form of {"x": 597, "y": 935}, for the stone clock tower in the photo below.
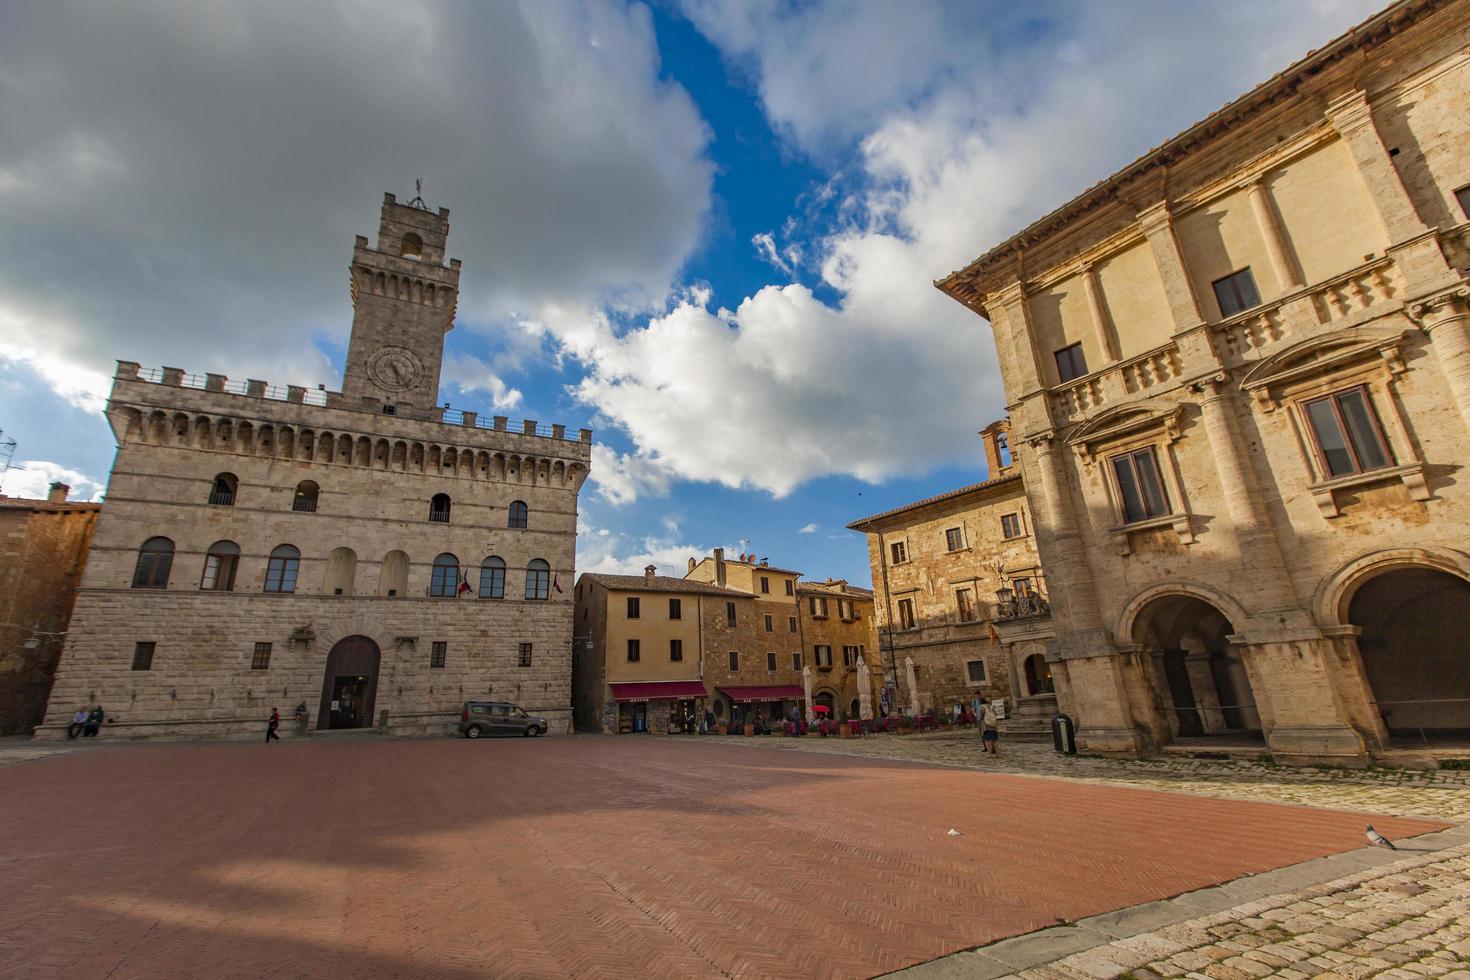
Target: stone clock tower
{"x": 403, "y": 297}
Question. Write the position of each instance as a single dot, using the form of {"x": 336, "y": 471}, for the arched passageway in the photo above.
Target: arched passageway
{"x": 1415, "y": 644}
{"x": 1200, "y": 676}
{"x": 349, "y": 684}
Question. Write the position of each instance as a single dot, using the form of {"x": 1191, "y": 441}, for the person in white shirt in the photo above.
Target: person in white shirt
{"x": 989, "y": 729}
{"x": 78, "y": 722}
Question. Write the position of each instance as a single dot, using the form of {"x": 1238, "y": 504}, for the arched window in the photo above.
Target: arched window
{"x": 412, "y": 246}
{"x": 393, "y": 577}
{"x": 518, "y": 513}
{"x": 492, "y": 578}
{"x": 220, "y": 563}
{"x": 538, "y": 580}
{"x": 155, "y": 559}
{"x": 445, "y": 582}
{"x": 1038, "y": 676}
{"x": 439, "y": 508}
{"x": 222, "y": 491}
{"x": 341, "y": 572}
{"x": 305, "y": 500}
{"x": 280, "y": 573}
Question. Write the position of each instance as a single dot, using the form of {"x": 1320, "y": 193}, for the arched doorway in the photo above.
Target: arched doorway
{"x": 1200, "y": 675}
{"x": 828, "y": 700}
{"x": 1416, "y": 648}
{"x": 349, "y": 684}
{"x": 1038, "y": 676}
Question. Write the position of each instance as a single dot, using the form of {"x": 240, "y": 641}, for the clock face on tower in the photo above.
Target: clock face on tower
{"x": 395, "y": 368}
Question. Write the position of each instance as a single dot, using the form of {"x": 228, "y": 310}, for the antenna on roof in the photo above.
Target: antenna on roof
{"x": 418, "y": 201}
{"x": 7, "y": 450}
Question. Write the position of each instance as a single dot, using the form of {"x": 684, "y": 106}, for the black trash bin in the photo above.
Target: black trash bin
{"x": 1063, "y": 735}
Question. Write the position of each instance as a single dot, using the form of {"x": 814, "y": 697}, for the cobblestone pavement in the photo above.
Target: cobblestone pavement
{"x": 585, "y": 857}
{"x": 1409, "y": 920}
{"x": 1444, "y": 794}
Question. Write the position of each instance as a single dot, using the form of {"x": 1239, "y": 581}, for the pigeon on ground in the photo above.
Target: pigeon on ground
{"x": 1374, "y": 837}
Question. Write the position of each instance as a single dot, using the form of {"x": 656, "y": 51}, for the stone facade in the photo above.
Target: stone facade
{"x": 1239, "y": 377}
{"x": 748, "y": 643}
{"x": 41, "y": 561}
{"x": 839, "y": 632}
{"x": 262, "y": 548}
{"x": 938, "y": 566}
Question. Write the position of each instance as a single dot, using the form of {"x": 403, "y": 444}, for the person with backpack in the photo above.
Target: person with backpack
{"x": 989, "y": 729}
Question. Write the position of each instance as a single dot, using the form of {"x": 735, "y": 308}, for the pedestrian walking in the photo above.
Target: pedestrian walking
{"x": 271, "y": 726}
{"x": 78, "y": 723}
{"x": 95, "y": 717}
{"x": 989, "y": 729}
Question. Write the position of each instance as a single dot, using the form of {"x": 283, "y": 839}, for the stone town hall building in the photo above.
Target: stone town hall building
{"x": 1238, "y": 373}
{"x": 363, "y": 552}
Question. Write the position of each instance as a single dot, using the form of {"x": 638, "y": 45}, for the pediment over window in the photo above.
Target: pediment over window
{"x": 1124, "y": 421}
{"x": 1323, "y": 357}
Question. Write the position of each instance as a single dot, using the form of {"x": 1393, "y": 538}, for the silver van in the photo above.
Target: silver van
{"x": 498, "y": 718}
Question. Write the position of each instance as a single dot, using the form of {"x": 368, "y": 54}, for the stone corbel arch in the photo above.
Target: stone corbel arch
{"x": 1330, "y": 603}
{"x": 1226, "y": 604}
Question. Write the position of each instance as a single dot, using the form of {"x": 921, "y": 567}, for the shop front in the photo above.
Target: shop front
{"x": 765, "y": 705}
{"x": 661, "y": 707}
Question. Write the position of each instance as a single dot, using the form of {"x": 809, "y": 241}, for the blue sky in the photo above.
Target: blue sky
{"x": 707, "y": 230}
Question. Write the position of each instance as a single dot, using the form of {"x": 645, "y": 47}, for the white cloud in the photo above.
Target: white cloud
{"x": 765, "y": 247}
{"x": 33, "y": 478}
{"x": 622, "y": 478}
{"x": 470, "y": 373}
{"x": 811, "y": 528}
{"x": 615, "y": 553}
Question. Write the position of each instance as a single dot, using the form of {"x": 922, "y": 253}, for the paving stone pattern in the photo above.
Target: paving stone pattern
{"x": 580, "y": 857}
{"x": 1444, "y": 794}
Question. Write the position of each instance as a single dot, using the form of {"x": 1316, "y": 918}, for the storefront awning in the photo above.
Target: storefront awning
{"x": 658, "y": 690}
{"x": 774, "y": 692}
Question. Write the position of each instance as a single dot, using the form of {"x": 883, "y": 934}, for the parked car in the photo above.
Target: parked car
{"x": 498, "y": 718}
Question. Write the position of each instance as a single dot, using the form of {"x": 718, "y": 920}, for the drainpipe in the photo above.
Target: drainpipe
{"x": 888, "y": 610}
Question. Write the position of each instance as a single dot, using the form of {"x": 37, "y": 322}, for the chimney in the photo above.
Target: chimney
{"x": 996, "y": 439}
{"x": 57, "y": 493}
{"x": 649, "y": 571}
{"x": 692, "y": 564}
{"x": 719, "y": 566}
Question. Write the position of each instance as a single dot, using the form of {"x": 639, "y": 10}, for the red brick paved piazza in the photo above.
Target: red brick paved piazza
{"x": 587, "y": 857}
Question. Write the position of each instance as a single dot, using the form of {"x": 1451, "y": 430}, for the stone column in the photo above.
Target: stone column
{"x": 1259, "y": 549}
{"x": 1446, "y": 319}
{"x": 1413, "y": 244}
{"x": 1102, "y": 320}
{"x": 1302, "y": 713}
{"x": 1202, "y": 683}
{"x": 1282, "y": 261}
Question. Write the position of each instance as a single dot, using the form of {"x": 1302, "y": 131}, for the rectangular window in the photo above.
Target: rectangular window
{"x": 730, "y": 613}
{"x": 818, "y": 606}
{"x": 1021, "y": 586}
{"x": 770, "y": 623}
{"x": 734, "y": 660}
{"x": 954, "y": 539}
{"x": 964, "y": 601}
{"x": 525, "y": 655}
{"x": 1140, "y": 487}
{"x": 219, "y": 569}
{"x": 143, "y": 655}
{"x": 676, "y": 650}
{"x": 900, "y": 552}
{"x": 1236, "y": 292}
{"x": 1463, "y": 196}
{"x": 1070, "y": 363}
{"x": 790, "y": 587}
{"x": 437, "y": 650}
{"x": 905, "y": 614}
{"x": 1010, "y": 526}
{"x": 635, "y": 652}
{"x": 850, "y": 656}
{"x": 676, "y": 609}
{"x": 1346, "y": 431}
{"x": 822, "y": 656}
{"x": 796, "y": 661}
{"x": 632, "y": 607}
{"x": 771, "y": 662}
{"x": 791, "y": 624}
{"x": 765, "y": 584}
{"x": 975, "y": 669}
{"x": 261, "y": 658}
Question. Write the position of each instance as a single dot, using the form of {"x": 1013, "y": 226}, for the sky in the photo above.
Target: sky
{"x": 707, "y": 230}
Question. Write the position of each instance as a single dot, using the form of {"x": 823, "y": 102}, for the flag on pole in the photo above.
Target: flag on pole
{"x": 556, "y": 583}
{"x": 464, "y": 583}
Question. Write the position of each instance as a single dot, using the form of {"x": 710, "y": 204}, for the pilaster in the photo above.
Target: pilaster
{"x": 1446, "y": 319}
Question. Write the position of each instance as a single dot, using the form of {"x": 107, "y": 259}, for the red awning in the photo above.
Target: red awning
{"x": 658, "y": 690}
{"x": 775, "y": 692}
